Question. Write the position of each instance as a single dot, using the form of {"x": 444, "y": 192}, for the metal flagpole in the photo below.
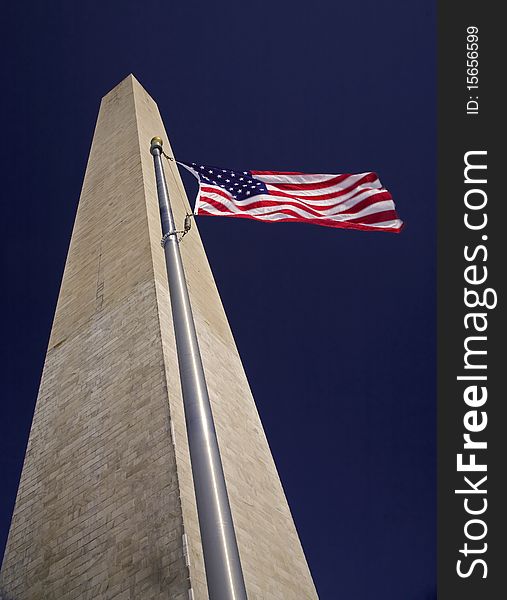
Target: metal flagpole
{"x": 221, "y": 556}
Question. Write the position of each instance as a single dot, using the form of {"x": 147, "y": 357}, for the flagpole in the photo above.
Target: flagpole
{"x": 221, "y": 556}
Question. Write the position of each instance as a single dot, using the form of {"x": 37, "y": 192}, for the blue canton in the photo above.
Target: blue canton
{"x": 241, "y": 184}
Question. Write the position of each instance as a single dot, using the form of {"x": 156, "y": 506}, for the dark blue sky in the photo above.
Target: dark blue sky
{"x": 336, "y": 328}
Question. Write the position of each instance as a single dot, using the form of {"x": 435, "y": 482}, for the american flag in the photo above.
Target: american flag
{"x": 349, "y": 201}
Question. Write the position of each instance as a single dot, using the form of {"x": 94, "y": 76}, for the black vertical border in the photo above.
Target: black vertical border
{"x": 458, "y": 134}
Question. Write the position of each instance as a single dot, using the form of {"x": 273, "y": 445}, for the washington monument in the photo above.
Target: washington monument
{"x": 106, "y": 507}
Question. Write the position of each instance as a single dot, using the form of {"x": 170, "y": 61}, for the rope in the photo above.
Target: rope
{"x": 166, "y": 155}
{"x": 188, "y": 223}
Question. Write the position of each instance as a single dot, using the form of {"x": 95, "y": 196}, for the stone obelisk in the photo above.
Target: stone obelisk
{"x": 106, "y": 506}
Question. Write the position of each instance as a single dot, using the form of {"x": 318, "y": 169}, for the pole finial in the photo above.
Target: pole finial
{"x": 156, "y": 144}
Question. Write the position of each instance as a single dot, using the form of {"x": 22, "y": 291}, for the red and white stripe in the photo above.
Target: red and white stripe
{"x": 347, "y": 201}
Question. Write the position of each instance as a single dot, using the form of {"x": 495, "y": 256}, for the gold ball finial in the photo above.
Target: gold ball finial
{"x": 156, "y": 146}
